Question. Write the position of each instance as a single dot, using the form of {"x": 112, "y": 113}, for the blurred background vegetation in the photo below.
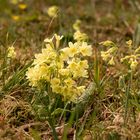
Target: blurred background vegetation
{"x": 28, "y": 19}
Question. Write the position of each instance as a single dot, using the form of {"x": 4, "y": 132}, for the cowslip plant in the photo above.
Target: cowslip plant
{"x": 127, "y": 71}
{"x": 133, "y": 56}
{"x": 131, "y": 60}
{"x": 78, "y": 35}
{"x": 61, "y": 68}
{"x": 108, "y": 56}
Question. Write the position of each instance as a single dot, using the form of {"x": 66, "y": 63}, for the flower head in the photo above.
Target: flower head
{"x": 14, "y": 1}
{"x": 111, "y": 61}
{"x": 129, "y": 43}
{"x": 15, "y": 17}
{"x": 79, "y": 36}
{"x": 73, "y": 49}
{"x": 76, "y": 25}
{"x": 58, "y": 39}
{"x": 53, "y": 11}
{"x": 22, "y": 6}
{"x": 108, "y": 43}
{"x": 85, "y": 49}
{"x": 11, "y": 52}
{"x": 132, "y": 57}
{"x": 108, "y": 55}
{"x": 61, "y": 67}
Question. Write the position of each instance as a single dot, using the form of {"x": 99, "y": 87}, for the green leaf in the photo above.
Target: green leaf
{"x": 59, "y": 111}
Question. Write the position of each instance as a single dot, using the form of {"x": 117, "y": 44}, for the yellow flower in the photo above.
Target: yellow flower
{"x": 78, "y": 69}
{"x": 80, "y": 90}
{"x": 60, "y": 64}
{"x": 22, "y": 6}
{"x": 30, "y": 76}
{"x": 137, "y": 50}
{"x": 108, "y": 55}
{"x": 73, "y": 93}
{"x": 112, "y": 50}
{"x": 86, "y": 49}
{"x": 58, "y": 38}
{"x": 125, "y": 58}
{"x": 72, "y": 66}
{"x": 69, "y": 93}
{"x": 33, "y": 75}
{"x": 11, "y": 52}
{"x": 83, "y": 64}
{"x": 108, "y": 43}
{"x": 73, "y": 49}
{"x": 55, "y": 81}
{"x": 16, "y": 17}
{"x": 129, "y": 43}
{"x": 44, "y": 72}
{"x": 56, "y": 88}
{"x": 111, "y": 61}
{"x": 70, "y": 51}
{"x": 133, "y": 65}
{"x": 69, "y": 82}
{"x": 64, "y": 54}
{"x": 64, "y": 72}
{"x": 47, "y": 55}
{"x": 66, "y": 92}
{"x": 40, "y": 59}
{"x": 76, "y": 25}
{"x": 78, "y": 36}
{"x": 80, "y": 73}
{"x": 132, "y": 60}
{"x": 48, "y": 40}
{"x": 53, "y": 11}
{"x": 14, "y": 1}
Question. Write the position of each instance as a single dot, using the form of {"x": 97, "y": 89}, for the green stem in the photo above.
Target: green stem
{"x": 70, "y": 122}
{"x": 52, "y": 127}
{"x": 126, "y": 104}
{"x": 128, "y": 90}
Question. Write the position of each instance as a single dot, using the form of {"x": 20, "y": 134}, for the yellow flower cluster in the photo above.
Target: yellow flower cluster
{"x": 108, "y": 43}
{"x": 61, "y": 67}
{"x": 76, "y": 25}
{"x": 15, "y": 17}
{"x": 108, "y": 56}
{"x": 11, "y": 52}
{"x": 129, "y": 43}
{"x": 78, "y": 35}
{"x": 14, "y": 1}
{"x": 53, "y": 11}
{"x": 22, "y": 6}
{"x": 132, "y": 59}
